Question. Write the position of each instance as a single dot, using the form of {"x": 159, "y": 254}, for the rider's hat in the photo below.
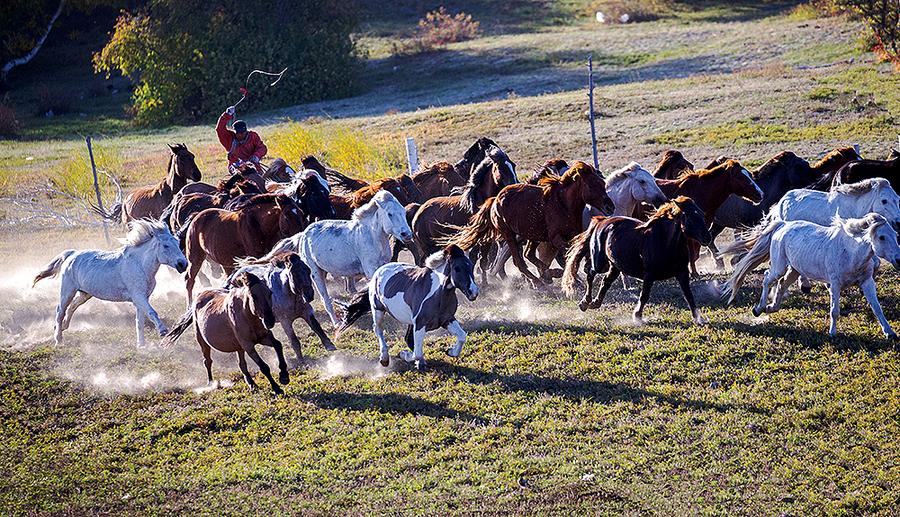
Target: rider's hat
{"x": 239, "y": 126}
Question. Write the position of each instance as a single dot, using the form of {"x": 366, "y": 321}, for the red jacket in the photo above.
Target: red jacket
{"x": 251, "y": 146}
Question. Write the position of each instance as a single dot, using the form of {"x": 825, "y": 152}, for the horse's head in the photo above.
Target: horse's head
{"x": 460, "y": 272}
{"x": 672, "y": 165}
{"x": 409, "y": 188}
{"x": 740, "y": 182}
{"x": 691, "y": 220}
{"x": 299, "y": 275}
{"x": 157, "y": 234}
{"x": 259, "y": 297}
{"x": 886, "y": 201}
{"x": 184, "y": 162}
{"x": 505, "y": 169}
{"x": 291, "y": 219}
{"x": 642, "y": 185}
{"x": 391, "y": 215}
{"x": 313, "y": 197}
{"x": 592, "y": 186}
{"x": 883, "y": 238}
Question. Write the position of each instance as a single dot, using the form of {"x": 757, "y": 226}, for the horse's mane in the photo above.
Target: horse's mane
{"x": 439, "y": 258}
{"x": 775, "y": 164}
{"x": 860, "y": 187}
{"x": 363, "y": 195}
{"x": 436, "y": 168}
{"x": 715, "y": 171}
{"x": 370, "y": 207}
{"x": 554, "y": 181}
{"x": 671, "y": 210}
{"x": 841, "y": 153}
{"x": 621, "y": 174}
{"x": 861, "y": 226}
{"x": 549, "y": 168}
{"x": 141, "y": 231}
{"x": 476, "y": 180}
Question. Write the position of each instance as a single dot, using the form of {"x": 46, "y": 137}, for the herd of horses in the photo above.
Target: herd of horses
{"x": 275, "y": 237}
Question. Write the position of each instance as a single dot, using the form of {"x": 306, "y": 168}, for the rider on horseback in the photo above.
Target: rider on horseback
{"x": 242, "y": 145}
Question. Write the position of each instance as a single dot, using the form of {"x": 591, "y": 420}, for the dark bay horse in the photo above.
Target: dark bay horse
{"x": 222, "y": 236}
{"x": 402, "y": 187}
{"x": 550, "y": 212}
{"x": 655, "y": 250}
{"x": 709, "y": 188}
{"x": 854, "y": 172}
{"x": 306, "y": 189}
{"x": 151, "y": 201}
{"x": 783, "y": 172}
{"x": 184, "y": 206}
{"x": 440, "y": 178}
{"x": 235, "y": 321}
{"x": 672, "y": 165}
{"x": 435, "y": 219}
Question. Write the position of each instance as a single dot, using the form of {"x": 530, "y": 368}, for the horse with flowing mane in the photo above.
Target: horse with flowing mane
{"x": 151, "y": 201}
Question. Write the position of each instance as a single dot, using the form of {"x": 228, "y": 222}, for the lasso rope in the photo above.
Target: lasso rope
{"x": 245, "y": 92}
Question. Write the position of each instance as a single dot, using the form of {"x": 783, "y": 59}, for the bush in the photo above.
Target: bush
{"x": 9, "y": 123}
{"x": 440, "y": 28}
{"x": 190, "y": 57}
{"x": 883, "y": 19}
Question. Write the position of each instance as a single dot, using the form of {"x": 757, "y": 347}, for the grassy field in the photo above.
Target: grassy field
{"x": 548, "y": 410}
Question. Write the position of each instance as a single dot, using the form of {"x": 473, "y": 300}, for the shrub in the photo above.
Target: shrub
{"x": 439, "y": 28}
{"x": 189, "y": 58}
{"x": 883, "y": 19}
{"x": 9, "y": 123}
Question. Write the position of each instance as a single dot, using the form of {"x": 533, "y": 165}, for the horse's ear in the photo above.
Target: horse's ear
{"x": 171, "y": 147}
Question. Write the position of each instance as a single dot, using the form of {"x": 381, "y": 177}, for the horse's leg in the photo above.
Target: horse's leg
{"x": 80, "y": 298}
{"x": 377, "y": 320}
{"x": 499, "y": 266}
{"x": 250, "y": 349}
{"x": 868, "y": 290}
{"x": 270, "y": 340}
{"x": 590, "y": 274}
{"x": 190, "y": 277}
{"x": 309, "y": 316}
{"x": 519, "y": 261}
{"x": 140, "y": 301}
{"x": 216, "y": 269}
{"x": 410, "y": 338}
{"x": 783, "y": 286}
{"x": 418, "y": 353}
{"x": 288, "y": 327}
{"x": 715, "y": 231}
{"x": 684, "y": 280}
{"x": 139, "y": 318}
{"x": 318, "y": 277}
{"x": 638, "y": 315}
{"x": 835, "y": 291}
{"x": 350, "y": 284}
{"x": 694, "y": 250}
{"x": 67, "y": 293}
{"x": 608, "y": 280}
{"x": 805, "y": 285}
{"x": 454, "y": 328}
{"x": 207, "y": 356}
{"x": 242, "y": 364}
{"x": 396, "y": 246}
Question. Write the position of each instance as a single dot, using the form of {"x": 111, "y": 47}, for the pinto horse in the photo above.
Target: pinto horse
{"x": 222, "y": 236}
{"x": 709, "y": 188}
{"x": 423, "y": 298}
{"x": 783, "y": 172}
{"x": 655, "y": 250}
{"x": 235, "y": 321}
{"x": 548, "y": 212}
{"x": 151, "y": 201}
{"x": 436, "y": 218}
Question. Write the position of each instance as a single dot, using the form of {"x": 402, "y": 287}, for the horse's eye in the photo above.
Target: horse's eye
{"x": 884, "y": 201}
{"x": 642, "y": 182}
{"x": 881, "y": 238}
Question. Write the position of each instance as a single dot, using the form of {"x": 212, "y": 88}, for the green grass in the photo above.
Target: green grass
{"x": 588, "y": 413}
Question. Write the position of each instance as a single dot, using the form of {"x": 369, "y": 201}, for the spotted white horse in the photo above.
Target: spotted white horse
{"x": 424, "y": 298}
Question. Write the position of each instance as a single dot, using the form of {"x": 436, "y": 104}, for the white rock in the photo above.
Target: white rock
{"x": 601, "y": 18}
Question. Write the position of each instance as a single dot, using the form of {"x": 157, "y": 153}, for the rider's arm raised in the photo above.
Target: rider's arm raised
{"x": 225, "y": 135}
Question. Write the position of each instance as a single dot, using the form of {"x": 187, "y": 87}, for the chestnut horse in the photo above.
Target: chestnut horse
{"x": 709, "y": 188}
{"x": 223, "y": 236}
{"x": 548, "y": 212}
{"x": 151, "y": 201}
{"x": 235, "y": 321}
{"x": 184, "y": 206}
{"x": 436, "y": 218}
{"x": 654, "y": 250}
{"x": 402, "y": 187}
{"x": 783, "y": 172}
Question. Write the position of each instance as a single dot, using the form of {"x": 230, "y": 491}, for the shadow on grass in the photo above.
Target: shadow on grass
{"x": 388, "y": 403}
{"x": 580, "y": 389}
{"x": 811, "y": 338}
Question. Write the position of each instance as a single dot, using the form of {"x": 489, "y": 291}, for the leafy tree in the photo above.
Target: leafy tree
{"x": 883, "y": 18}
{"x": 189, "y": 57}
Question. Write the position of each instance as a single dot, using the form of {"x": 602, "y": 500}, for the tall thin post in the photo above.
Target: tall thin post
{"x": 591, "y": 110}
{"x": 412, "y": 156}
{"x": 87, "y": 140}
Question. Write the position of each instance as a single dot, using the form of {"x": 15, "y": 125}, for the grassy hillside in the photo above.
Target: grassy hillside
{"x": 547, "y": 410}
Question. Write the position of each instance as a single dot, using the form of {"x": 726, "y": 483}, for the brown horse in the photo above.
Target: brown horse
{"x": 672, "y": 165}
{"x": 709, "y": 188}
{"x": 654, "y": 250}
{"x": 440, "y": 178}
{"x": 435, "y": 219}
{"x": 223, "y": 236}
{"x": 151, "y": 201}
{"x": 854, "y": 172}
{"x": 402, "y": 187}
{"x": 184, "y": 206}
{"x": 547, "y": 212}
{"x": 235, "y": 321}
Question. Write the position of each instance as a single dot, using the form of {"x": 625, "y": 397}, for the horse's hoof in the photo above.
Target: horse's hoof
{"x": 284, "y": 378}
{"x": 420, "y": 365}
{"x": 583, "y": 305}
{"x": 638, "y": 321}
{"x": 453, "y": 351}
{"x": 278, "y": 391}
{"x": 700, "y": 320}
{"x": 385, "y": 362}
{"x": 891, "y": 336}
{"x": 329, "y": 346}
{"x": 756, "y": 312}
{"x": 805, "y": 289}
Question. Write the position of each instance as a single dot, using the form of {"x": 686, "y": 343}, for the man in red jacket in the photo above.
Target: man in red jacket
{"x": 242, "y": 145}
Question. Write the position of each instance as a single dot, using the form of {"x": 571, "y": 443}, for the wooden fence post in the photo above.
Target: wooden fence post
{"x": 412, "y": 156}
{"x": 87, "y": 140}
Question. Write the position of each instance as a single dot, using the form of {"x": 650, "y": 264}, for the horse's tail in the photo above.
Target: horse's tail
{"x": 178, "y": 329}
{"x": 114, "y": 214}
{"x": 52, "y": 268}
{"x": 749, "y": 234}
{"x": 358, "y": 307}
{"x": 283, "y": 246}
{"x": 759, "y": 253}
{"x": 578, "y": 248}
{"x": 480, "y": 228}
{"x": 166, "y": 214}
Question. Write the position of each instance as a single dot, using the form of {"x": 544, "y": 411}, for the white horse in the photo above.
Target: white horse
{"x": 840, "y": 254}
{"x": 127, "y": 274}
{"x": 348, "y": 248}
{"x": 851, "y": 200}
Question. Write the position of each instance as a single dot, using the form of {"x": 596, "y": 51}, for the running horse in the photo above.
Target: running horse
{"x": 185, "y": 206}
{"x": 654, "y": 250}
{"x": 151, "y": 201}
{"x": 440, "y": 178}
{"x": 550, "y": 212}
{"x": 672, "y": 165}
{"x": 402, "y": 187}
